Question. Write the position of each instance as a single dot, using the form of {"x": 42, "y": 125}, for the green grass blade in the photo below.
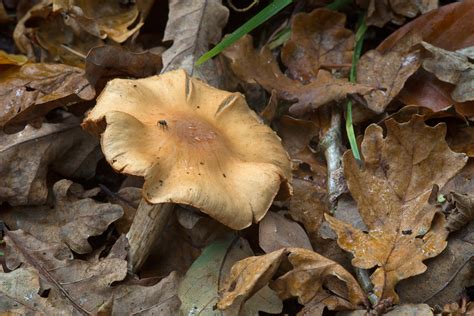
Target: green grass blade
{"x": 269, "y": 11}
{"x": 359, "y": 37}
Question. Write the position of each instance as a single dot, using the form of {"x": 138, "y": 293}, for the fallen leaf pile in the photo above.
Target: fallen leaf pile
{"x": 244, "y": 169}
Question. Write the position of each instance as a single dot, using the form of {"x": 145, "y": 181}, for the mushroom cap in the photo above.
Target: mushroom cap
{"x": 194, "y": 144}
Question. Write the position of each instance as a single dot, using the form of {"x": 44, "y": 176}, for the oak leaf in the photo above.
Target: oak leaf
{"x": 318, "y": 40}
{"x": 263, "y": 69}
{"x": 389, "y": 71}
{"x": 77, "y": 286}
{"x": 392, "y": 190}
{"x": 311, "y": 274}
{"x": 25, "y": 158}
{"x": 71, "y": 218}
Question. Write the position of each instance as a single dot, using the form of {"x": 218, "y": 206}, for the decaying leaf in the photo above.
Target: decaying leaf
{"x": 462, "y": 211}
{"x": 440, "y": 28}
{"x": 262, "y": 68}
{"x": 193, "y": 26}
{"x": 52, "y": 36}
{"x": 447, "y": 274}
{"x": 32, "y": 90}
{"x": 311, "y": 276}
{"x": 200, "y": 288}
{"x": 318, "y": 40}
{"x": 102, "y": 19}
{"x": 276, "y": 232}
{"x": 388, "y": 72}
{"x": 71, "y": 218}
{"x": 75, "y": 285}
{"x": 309, "y": 200}
{"x": 392, "y": 192}
{"x": 26, "y": 156}
{"x": 19, "y": 293}
{"x": 380, "y": 12}
{"x": 453, "y": 67}
{"x": 159, "y": 299}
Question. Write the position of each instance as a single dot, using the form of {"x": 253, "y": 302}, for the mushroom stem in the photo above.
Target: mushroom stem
{"x": 149, "y": 222}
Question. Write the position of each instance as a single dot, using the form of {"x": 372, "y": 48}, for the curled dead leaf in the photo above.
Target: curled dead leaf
{"x": 440, "y": 28}
{"x": 52, "y": 36}
{"x": 453, "y": 67}
{"x": 102, "y": 19}
{"x": 461, "y": 213}
{"x": 311, "y": 274}
{"x": 30, "y": 91}
{"x": 392, "y": 190}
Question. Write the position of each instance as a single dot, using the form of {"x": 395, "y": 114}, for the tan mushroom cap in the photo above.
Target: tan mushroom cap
{"x": 194, "y": 144}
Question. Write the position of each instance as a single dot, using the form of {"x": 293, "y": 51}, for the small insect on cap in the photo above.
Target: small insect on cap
{"x": 194, "y": 144}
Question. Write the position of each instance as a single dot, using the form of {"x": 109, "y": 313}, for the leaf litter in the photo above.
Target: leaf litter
{"x": 312, "y": 231}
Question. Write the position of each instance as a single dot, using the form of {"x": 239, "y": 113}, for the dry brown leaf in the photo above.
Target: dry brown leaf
{"x": 453, "y": 67}
{"x": 318, "y": 40}
{"x": 114, "y": 61}
{"x": 260, "y": 67}
{"x": 392, "y": 192}
{"x": 310, "y": 272}
{"x": 461, "y": 139}
{"x": 440, "y": 28}
{"x": 447, "y": 275}
{"x": 20, "y": 293}
{"x": 389, "y": 71}
{"x": 380, "y": 12}
{"x": 32, "y": 90}
{"x": 159, "y": 299}
{"x": 78, "y": 286}
{"x": 102, "y": 19}
{"x": 75, "y": 285}
{"x": 309, "y": 203}
{"x": 462, "y": 212}
{"x": 193, "y": 26}
{"x": 236, "y": 189}
{"x": 26, "y": 156}
{"x": 52, "y": 36}
{"x": 276, "y": 231}
{"x": 70, "y": 219}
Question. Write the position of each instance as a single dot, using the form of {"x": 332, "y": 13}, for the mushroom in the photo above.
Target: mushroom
{"x": 194, "y": 145}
